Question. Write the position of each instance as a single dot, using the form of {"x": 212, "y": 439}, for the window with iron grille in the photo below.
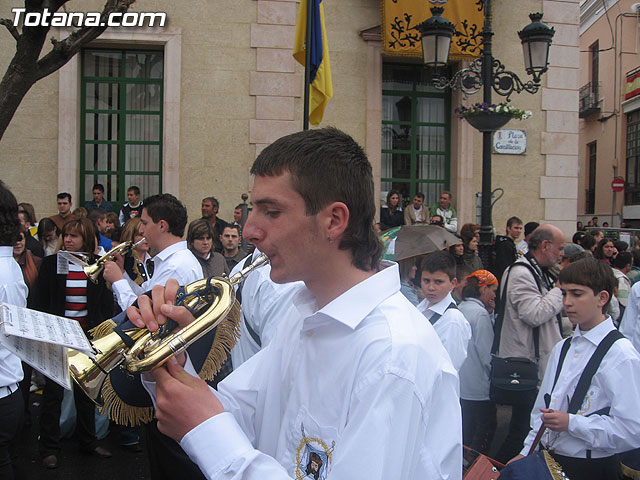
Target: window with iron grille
{"x": 632, "y": 188}
{"x": 415, "y": 133}
{"x": 121, "y": 122}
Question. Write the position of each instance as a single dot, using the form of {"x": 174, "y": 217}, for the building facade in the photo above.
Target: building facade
{"x": 609, "y": 111}
{"x": 186, "y": 107}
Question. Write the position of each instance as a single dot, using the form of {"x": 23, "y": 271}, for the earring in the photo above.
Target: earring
{"x": 329, "y": 238}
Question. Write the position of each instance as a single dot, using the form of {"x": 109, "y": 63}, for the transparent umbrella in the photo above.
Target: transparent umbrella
{"x": 411, "y": 240}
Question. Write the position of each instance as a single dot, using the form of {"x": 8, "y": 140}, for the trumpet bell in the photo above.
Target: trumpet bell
{"x": 93, "y": 271}
{"x": 90, "y": 374}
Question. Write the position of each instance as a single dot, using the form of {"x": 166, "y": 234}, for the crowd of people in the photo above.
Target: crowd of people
{"x": 347, "y": 366}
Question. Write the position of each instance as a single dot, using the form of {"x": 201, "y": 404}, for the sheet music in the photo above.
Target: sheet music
{"x": 48, "y": 358}
{"x": 41, "y": 340}
{"x": 43, "y": 327}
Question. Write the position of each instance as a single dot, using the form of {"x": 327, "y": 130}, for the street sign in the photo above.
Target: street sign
{"x": 617, "y": 184}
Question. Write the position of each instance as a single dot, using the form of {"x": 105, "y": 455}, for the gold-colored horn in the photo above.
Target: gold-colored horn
{"x": 93, "y": 271}
{"x": 210, "y": 300}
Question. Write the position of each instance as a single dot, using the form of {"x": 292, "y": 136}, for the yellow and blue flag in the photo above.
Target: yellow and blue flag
{"x": 321, "y": 88}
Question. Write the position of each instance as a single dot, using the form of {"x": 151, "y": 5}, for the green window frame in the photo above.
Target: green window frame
{"x": 121, "y": 117}
{"x": 416, "y": 133}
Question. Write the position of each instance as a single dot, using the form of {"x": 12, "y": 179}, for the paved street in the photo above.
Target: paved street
{"x": 73, "y": 464}
{"x": 123, "y": 464}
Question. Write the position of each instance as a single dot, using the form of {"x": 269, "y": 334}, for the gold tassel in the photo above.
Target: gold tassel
{"x": 554, "y": 467}
{"x": 227, "y": 334}
{"x": 102, "y": 330}
{"x": 120, "y": 412}
{"x": 630, "y": 472}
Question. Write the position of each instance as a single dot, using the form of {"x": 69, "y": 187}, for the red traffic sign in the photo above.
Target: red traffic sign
{"x": 617, "y": 184}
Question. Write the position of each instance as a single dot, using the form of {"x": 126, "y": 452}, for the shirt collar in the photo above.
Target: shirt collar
{"x": 6, "y": 251}
{"x": 170, "y": 250}
{"x": 441, "y": 306}
{"x": 355, "y": 304}
{"x": 597, "y": 333}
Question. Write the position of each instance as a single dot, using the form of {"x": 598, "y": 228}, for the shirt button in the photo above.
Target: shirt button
{"x": 309, "y": 333}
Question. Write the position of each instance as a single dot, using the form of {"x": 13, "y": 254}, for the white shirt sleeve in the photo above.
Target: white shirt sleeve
{"x": 454, "y": 333}
{"x": 630, "y": 319}
{"x": 414, "y": 438}
{"x": 125, "y": 293}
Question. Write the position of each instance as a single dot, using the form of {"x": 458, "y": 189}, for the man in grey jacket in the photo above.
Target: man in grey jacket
{"x": 531, "y": 301}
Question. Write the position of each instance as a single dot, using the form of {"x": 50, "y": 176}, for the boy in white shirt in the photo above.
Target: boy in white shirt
{"x": 438, "y": 279}
{"x": 586, "y": 443}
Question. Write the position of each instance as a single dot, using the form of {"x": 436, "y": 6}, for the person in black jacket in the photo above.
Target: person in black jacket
{"x": 505, "y": 247}
{"x": 71, "y": 295}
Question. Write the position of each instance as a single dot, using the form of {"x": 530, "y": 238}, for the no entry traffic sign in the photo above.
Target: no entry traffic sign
{"x": 617, "y": 184}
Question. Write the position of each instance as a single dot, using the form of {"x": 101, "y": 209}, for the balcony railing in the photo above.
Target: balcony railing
{"x": 589, "y": 100}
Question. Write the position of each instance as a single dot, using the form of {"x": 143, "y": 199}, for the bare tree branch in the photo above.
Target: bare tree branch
{"x": 63, "y": 50}
{"x": 12, "y": 29}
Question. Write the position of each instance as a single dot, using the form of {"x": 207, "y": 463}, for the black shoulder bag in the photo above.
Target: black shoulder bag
{"x": 512, "y": 377}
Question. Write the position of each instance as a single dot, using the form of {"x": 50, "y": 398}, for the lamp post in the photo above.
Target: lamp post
{"x": 489, "y": 74}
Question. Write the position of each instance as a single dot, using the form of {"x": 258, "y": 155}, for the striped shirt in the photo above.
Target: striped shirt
{"x": 76, "y": 295}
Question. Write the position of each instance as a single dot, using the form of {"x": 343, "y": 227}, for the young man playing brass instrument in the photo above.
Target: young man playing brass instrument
{"x": 354, "y": 384}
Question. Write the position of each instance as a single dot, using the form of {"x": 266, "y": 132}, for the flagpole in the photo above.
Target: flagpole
{"x": 307, "y": 63}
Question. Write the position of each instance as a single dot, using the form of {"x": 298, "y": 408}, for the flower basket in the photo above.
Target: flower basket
{"x": 489, "y": 118}
{"x": 488, "y": 122}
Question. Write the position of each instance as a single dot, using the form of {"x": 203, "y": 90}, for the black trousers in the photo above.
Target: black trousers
{"x": 11, "y": 408}
{"x": 167, "y": 460}
{"x": 519, "y": 427}
{"x": 50, "y": 419}
{"x": 479, "y": 424}
{"x": 607, "y": 468}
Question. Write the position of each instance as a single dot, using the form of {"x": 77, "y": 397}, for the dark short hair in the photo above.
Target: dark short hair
{"x": 327, "y": 165}
{"x": 439, "y": 261}
{"x": 437, "y": 222}
{"x": 588, "y": 241}
{"x": 595, "y": 232}
{"x": 62, "y": 195}
{"x": 27, "y": 217}
{"x": 469, "y": 227}
{"x": 9, "y": 221}
{"x": 462, "y": 272}
{"x": 577, "y": 237}
{"x": 590, "y": 273}
{"x": 199, "y": 229}
{"x": 233, "y": 226}
{"x": 133, "y": 189}
{"x": 168, "y": 208}
{"x": 238, "y": 206}
{"x": 513, "y": 221}
{"x": 213, "y": 200}
{"x": 622, "y": 260}
{"x": 530, "y": 227}
{"x": 621, "y": 245}
{"x": 420, "y": 195}
{"x": 96, "y": 214}
{"x": 98, "y": 186}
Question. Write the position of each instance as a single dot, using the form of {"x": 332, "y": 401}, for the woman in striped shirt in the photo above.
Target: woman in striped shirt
{"x": 63, "y": 289}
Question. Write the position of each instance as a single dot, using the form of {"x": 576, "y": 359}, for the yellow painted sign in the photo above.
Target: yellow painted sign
{"x": 400, "y": 17}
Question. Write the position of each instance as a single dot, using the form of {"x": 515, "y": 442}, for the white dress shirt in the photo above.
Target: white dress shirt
{"x": 452, "y": 328}
{"x": 176, "y": 261}
{"x": 474, "y": 373}
{"x": 13, "y": 291}
{"x": 630, "y": 324}
{"x": 616, "y": 385}
{"x": 359, "y": 389}
{"x": 264, "y": 302}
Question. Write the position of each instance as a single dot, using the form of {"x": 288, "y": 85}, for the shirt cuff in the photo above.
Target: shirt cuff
{"x": 220, "y": 434}
{"x": 121, "y": 286}
{"x": 149, "y": 383}
{"x": 578, "y": 426}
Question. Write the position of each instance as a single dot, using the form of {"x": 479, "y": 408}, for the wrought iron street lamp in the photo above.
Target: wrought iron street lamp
{"x": 488, "y": 73}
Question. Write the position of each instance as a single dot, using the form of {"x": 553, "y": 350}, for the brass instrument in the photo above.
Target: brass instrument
{"x": 93, "y": 271}
{"x": 209, "y": 300}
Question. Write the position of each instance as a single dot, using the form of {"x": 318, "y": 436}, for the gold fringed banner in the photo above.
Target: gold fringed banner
{"x": 400, "y": 17}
